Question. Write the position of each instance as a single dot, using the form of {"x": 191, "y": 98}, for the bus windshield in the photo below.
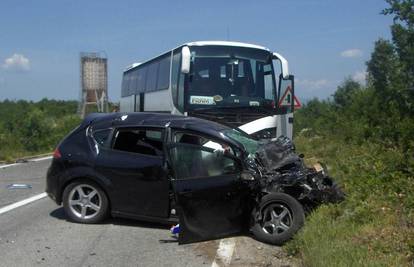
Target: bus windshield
{"x": 228, "y": 76}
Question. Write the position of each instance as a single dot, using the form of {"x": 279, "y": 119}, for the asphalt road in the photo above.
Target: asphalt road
{"x": 38, "y": 234}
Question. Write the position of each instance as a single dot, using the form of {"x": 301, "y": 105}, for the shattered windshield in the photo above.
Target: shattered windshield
{"x": 250, "y": 145}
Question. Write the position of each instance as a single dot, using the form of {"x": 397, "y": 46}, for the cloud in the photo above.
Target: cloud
{"x": 313, "y": 84}
{"x": 360, "y": 76}
{"x": 350, "y": 53}
{"x": 17, "y": 62}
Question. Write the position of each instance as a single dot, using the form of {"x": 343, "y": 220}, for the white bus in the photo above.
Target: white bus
{"x": 233, "y": 83}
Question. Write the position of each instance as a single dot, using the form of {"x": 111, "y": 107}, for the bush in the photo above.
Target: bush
{"x": 29, "y": 128}
{"x": 374, "y": 226}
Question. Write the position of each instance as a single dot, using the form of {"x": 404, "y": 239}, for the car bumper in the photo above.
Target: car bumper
{"x": 53, "y": 181}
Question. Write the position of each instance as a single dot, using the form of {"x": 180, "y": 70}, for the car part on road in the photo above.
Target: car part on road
{"x": 85, "y": 202}
{"x": 19, "y": 186}
{"x": 175, "y": 229}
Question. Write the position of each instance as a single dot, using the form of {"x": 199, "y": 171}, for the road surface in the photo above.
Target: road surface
{"x": 38, "y": 234}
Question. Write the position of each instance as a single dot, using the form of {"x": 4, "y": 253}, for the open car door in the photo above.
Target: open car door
{"x": 211, "y": 197}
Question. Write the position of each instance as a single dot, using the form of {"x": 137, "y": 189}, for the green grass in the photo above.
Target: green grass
{"x": 374, "y": 226}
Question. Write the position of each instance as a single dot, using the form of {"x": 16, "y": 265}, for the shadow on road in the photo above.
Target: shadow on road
{"x": 59, "y": 213}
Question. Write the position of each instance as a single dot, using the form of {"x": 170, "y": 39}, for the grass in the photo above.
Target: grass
{"x": 375, "y": 225}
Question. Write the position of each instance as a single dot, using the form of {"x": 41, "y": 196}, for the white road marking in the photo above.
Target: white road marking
{"x": 22, "y": 203}
{"x": 8, "y": 165}
{"x": 224, "y": 252}
{"x": 42, "y": 158}
{"x": 30, "y": 160}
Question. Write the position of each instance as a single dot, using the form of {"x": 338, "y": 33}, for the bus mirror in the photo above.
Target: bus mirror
{"x": 284, "y": 64}
{"x": 286, "y": 93}
{"x": 185, "y": 59}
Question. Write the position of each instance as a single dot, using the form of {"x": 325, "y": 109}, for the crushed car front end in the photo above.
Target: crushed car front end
{"x": 283, "y": 188}
{"x": 283, "y": 170}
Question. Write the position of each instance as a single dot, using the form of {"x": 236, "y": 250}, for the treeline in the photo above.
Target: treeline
{"x": 28, "y": 128}
{"x": 366, "y": 135}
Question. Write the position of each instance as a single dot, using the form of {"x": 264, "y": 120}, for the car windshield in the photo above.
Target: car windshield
{"x": 250, "y": 145}
{"x": 225, "y": 76}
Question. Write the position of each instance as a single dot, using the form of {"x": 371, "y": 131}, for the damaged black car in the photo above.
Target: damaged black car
{"x": 215, "y": 181}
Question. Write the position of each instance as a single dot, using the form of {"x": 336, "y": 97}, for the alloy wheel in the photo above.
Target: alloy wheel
{"x": 277, "y": 219}
{"x": 85, "y": 201}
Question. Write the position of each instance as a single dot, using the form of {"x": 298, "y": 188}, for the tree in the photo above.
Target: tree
{"x": 403, "y": 35}
{"x": 383, "y": 68}
{"x": 343, "y": 95}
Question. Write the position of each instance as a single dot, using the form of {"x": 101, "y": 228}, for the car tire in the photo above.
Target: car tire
{"x": 277, "y": 218}
{"x": 85, "y": 202}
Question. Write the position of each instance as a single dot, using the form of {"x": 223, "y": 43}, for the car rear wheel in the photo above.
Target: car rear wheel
{"x": 278, "y": 217}
{"x": 85, "y": 202}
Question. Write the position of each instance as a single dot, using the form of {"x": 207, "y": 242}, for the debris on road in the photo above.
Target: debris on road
{"x": 19, "y": 186}
{"x": 175, "y": 229}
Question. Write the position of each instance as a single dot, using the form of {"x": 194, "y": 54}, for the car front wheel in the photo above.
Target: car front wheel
{"x": 85, "y": 202}
{"x": 278, "y": 217}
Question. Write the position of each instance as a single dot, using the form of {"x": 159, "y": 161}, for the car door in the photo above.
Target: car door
{"x": 134, "y": 163}
{"x": 211, "y": 197}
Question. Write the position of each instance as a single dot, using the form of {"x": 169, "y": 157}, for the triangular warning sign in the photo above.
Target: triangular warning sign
{"x": 286, "y": 99}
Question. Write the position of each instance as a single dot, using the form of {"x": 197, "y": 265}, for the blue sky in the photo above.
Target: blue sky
{"x": 40, "y": 41}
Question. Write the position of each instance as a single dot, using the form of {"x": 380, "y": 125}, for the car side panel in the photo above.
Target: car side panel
{"x": 211, "y": 207}
{"x": 139, "y": 183}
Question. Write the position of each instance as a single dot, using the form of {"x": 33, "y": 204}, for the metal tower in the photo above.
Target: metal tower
{"x": 94, "y": 83}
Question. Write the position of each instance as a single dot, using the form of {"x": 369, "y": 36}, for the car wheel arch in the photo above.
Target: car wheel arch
{"x": 86, "y": 179}
{"x": 83, "y": 173}
{"x": 294, "y": 191}
{"x": 294, "y": 208}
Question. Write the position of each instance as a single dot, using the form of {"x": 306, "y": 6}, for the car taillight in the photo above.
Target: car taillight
{"x": 56, "y": 154}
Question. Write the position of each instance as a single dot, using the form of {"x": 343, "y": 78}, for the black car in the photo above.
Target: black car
{"x": 215, "y": 181}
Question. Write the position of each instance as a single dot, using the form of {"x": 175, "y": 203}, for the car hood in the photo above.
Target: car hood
{"x": 277, "y": 153}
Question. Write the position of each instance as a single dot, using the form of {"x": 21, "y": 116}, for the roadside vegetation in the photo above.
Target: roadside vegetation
{"x": 29, "y": 128}
{"x": 365, "y": 134}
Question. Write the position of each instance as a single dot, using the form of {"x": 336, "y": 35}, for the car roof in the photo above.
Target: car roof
{"x": 107, "y": 120}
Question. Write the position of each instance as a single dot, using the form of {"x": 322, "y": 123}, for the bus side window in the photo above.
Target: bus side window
{"x": 141, "y": 79}
{"x": 133, "y": 82}
{"x": 151, "y": 84}
{"x": 163, "y": 79}
{"x": 124, "y": 90}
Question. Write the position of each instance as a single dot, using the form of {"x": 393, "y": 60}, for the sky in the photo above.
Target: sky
{"x": 40, "y": 41}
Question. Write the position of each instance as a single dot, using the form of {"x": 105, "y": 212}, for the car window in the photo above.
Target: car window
{"x": 191, "y": 161}
{"x": 141, "y": 141}
{"x": 195, "y": 139}
{"x": 101, "y": 136}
